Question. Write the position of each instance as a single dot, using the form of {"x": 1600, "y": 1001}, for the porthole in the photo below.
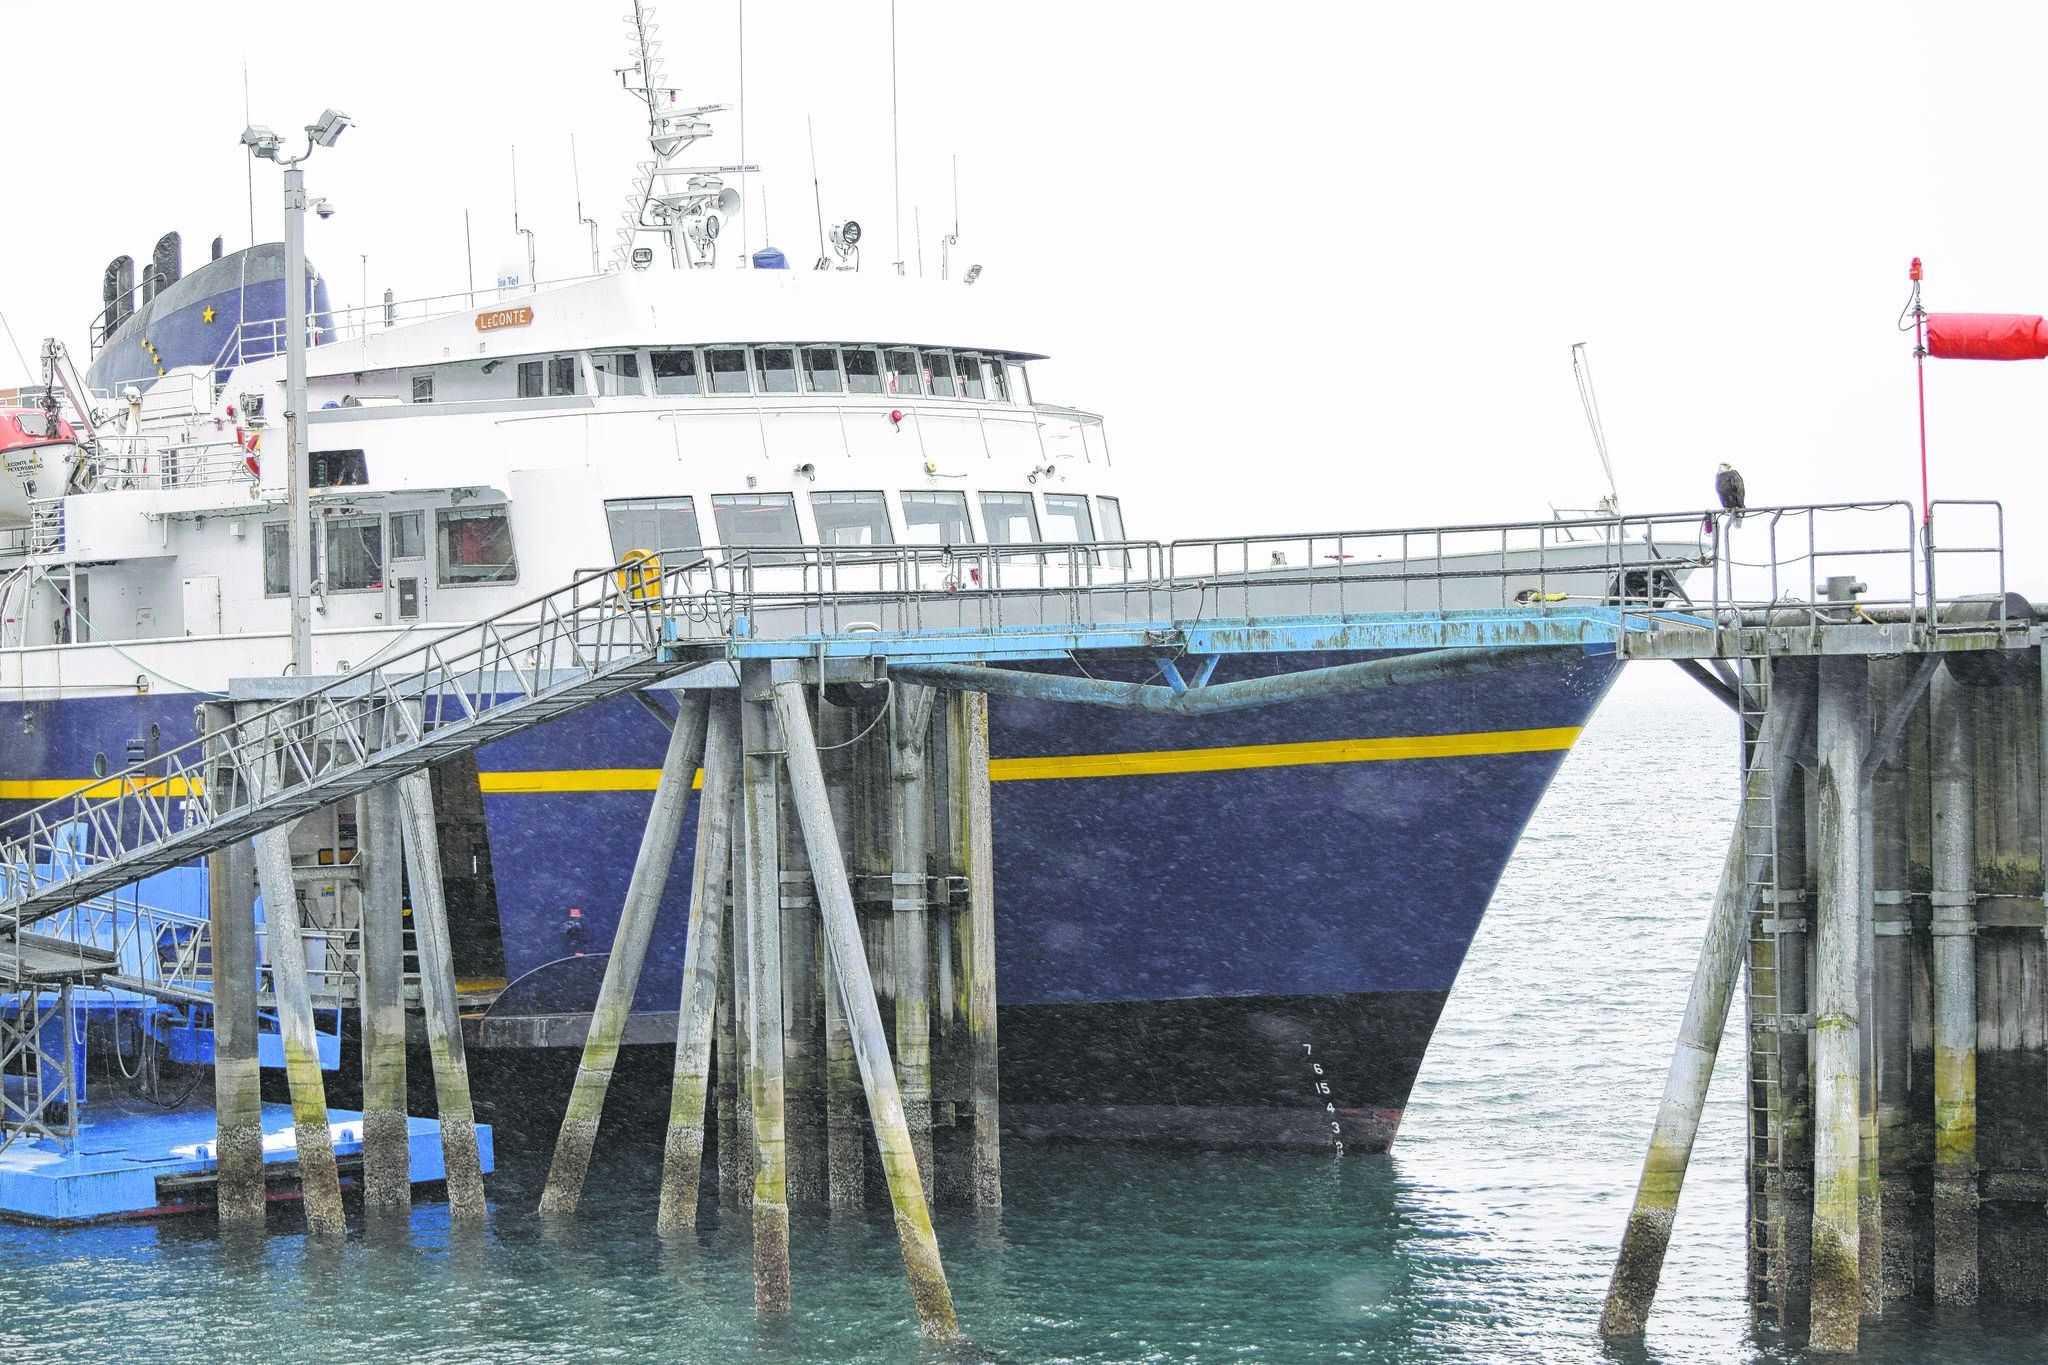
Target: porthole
{"x": 99, "y": 765}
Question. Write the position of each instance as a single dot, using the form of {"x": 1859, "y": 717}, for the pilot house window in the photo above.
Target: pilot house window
{"x": 821, "y": 369}
{"x": 863, "y": 371}
{"x": 616, "y": 372}
{"x": 777, "y": 365}
{"x": 474, "y": 545}
{"x": 676, "y": 372}
{"x": 728, "y": 370}
{"x": 851, "y": 518}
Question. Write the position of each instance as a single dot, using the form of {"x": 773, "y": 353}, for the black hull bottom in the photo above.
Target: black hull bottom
{"x": 1301, "y": 1072}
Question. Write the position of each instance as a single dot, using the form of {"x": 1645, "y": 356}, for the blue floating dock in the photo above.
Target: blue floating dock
{"x": 133, "y": 1159}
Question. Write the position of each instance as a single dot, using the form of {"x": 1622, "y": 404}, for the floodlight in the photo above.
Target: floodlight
{"x": 261, "y": 141}
{"x": 328, "y": 130}
{"x": 973, "y": 274}
{"x": 849, "y": 232}
{"x": 643, "y": 256}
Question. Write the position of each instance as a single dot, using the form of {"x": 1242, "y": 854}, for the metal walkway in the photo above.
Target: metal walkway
{"x": 1615, "y": 585}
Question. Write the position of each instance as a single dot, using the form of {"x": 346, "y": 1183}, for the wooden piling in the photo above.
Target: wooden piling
{"x": 909, "y": 850}
{"x": 622, "y": 965}
{"x": 926, "y": 1274}
{"x": 1955, "y": 993}
{"x": 1795, "y": 910}
{"x": 237, "y": 1074}
{"x": 387, "y": 1135}
{"x": 1887, "y": 1242}
{"x": 319, "y": 1179}
{"x": 968, "y": 719}
{"x": 759, "y": 894}
{"x": 735, "y": 1165}
{"x": 803, "y": 1034}
{"x": 460, "y": 1156}
{"x": 845, "y": 1116}
{"x": 1647, "y": 1236}
{"x": 1843, "y": 730}
{"x": 683, "y": 1150}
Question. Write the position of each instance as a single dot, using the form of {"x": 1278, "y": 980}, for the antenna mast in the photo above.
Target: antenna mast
{"x": 1582, "y": 371}
{"x": 817, "y": 196}
{"x": 951, "y": 239}
{"x": 688, "y": 216}
{"x": 576, "y": 176}
{"x": 531, "y": 271}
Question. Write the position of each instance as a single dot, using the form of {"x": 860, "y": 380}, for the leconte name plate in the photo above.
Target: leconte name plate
{"x": 503, "y": 317}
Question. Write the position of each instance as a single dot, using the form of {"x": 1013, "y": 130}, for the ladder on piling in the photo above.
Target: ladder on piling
{"x": 602, "y": 635}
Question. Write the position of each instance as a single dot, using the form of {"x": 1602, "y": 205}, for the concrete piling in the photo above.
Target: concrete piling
{"x": 622, "y": 965}
{"x": 845, "y": 1108}
{"x": 929, "y": 1291}
{"x": 237, "y": 1075}
{"x": 683, "y": 1149}
{"x": 1888, "y": 1232}
{"x": 1843, "y": 729}
{"x": 803, "y": 1034}
{"x": 387, "y": 1140}
{"x": 1953, "y": 930}
{"x": 459, "y": 1152}
{"x": 759, "y": 893}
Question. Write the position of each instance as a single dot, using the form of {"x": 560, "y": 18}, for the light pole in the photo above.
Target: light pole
{"x": 298, "y": 528}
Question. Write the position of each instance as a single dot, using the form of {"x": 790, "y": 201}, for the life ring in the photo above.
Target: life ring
{"x": 639, "y": 576}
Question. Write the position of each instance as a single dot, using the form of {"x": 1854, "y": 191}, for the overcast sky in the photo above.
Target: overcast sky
{"x": 1317, "y": 264}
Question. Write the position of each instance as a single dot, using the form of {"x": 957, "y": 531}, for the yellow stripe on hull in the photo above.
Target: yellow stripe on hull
{"x": 1481, "y": 744}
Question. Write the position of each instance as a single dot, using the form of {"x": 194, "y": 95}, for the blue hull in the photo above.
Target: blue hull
{"x": 1223, "y": 888}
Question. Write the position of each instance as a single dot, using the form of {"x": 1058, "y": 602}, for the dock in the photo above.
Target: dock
{"x": 834, "y": 701}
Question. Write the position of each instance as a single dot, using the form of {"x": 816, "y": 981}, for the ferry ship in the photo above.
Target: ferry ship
{"x": 1183, "y": 903}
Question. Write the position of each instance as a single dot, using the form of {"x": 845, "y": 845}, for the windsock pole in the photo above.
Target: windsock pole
{"x": 1920, "y": 380}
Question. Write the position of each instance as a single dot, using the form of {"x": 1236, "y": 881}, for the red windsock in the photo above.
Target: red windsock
{"x": 1987, "y": 336}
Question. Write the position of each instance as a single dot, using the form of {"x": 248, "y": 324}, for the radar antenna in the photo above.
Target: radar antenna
{"x": 686, "y": 206}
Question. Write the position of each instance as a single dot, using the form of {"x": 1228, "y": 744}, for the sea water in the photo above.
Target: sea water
{"x": 1487, "y": 1235}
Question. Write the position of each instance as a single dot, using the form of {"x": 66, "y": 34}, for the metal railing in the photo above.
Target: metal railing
{"x": 599, "y": 636}
{"x": 132, "y": 462}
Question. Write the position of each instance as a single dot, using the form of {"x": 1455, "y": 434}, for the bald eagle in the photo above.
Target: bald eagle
{"x": 1728, "y": 487}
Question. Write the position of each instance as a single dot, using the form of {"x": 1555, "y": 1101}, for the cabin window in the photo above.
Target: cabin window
{"x": 902, "y": 371}
{"x": 728, "y": 370}
{"x": 532, "y": 378}
{"x": 851, "y": 518}
{"x": 1010, "y": 518}
{"x": 1018, "y": 387}
{"x": 1112, "y": 510}
{"x": 777, "y": 365}
{"x": 970, "y": 376}
{"x": 37, "y": 425}
{"x": 474, "y": 545}
{"x": 423, "y": 388}
{"x": 821, "y": 370}
{"x": 998, "y": 381}
{"x": 277, "y": 581}
{"x": 652, "y": 524}
{"x": 936, "y": 517}
{"x": 336, "y": 469}
{"x": 676, "y": 372}
{"x": 863, "y": 372}
{"x": 562, "y": 375}
{"x": 355, "y": 553}
{"x": 408, "y": 535}
{"x": 1066, "y": 518}
{"x": 747, "y": 519}
{"x": 938, "y": 374}
{"x": 616, "y": 372}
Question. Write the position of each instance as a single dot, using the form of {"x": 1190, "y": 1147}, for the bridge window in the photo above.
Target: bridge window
{"x": 1017, "y": 386}
{"x": 1112, "y": 510}
{"x": 676, "y": 372}
{"x": 777, "y": 365}
{"x": 616, "y": 372}
{"x": 355, "y": 554}
{"x": 936, "y": 517}
{"x": 902, "y": 371}
{"x": 1066, "y": 517}
{"x": 863, "y": 371}
{"x": 998, "y": 381}
{"x": 423, "y": 388}
{"x": 562, "y": 375}
{"x": 474, "y": 545}
{"x": 938, "y": 373}
{"x": 728, "y": 369}
{"x": 336, "y": 469}
{"x": 532, "y": 378}
{"x": 1010, "y": 518}
{"x": 851, "y": 518}
{"x": 821, "y": 369}
{"x": 652, "y": 524}
{"x": 970, "y": 376}
{"x": 755, "y": 519}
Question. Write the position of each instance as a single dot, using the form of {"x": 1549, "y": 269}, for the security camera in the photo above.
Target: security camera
{"x": 323, "y": 208}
